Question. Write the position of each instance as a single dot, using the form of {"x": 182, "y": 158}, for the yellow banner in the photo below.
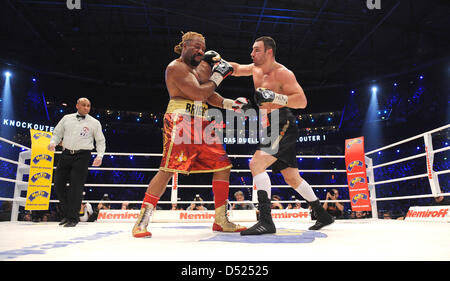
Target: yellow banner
{"x": 41, "y": 171}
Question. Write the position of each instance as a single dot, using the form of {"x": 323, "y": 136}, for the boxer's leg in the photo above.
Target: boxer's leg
{"x": 221, "y": 187}
{"x": 258, "y": 165}
{"x": 154, "y": 191}
{"x": 292, "y": 177}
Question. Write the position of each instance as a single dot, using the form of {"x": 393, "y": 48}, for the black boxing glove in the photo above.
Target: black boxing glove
{"x": 212, "y": 57}
{"x": 263, "y": 95}
{"x": 220, "y": 71}
{"x": 238, "y": 105}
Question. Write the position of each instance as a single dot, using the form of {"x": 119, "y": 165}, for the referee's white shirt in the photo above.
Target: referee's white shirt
{"x": 78, "y": 133}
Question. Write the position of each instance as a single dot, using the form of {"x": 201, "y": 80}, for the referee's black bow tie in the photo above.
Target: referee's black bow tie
{"x": 81, "y": 116}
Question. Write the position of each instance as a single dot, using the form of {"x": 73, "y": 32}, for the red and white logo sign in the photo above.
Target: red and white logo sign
{"x": 357, "y": 175}
{"x": 291, "y": 215}
{"x": 200, "y": 216}
{"x": 118, "y": 215}
{"x": 429, "y": 213}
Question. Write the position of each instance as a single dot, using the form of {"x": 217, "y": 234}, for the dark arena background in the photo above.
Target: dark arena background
{"x": 378, "y": 72}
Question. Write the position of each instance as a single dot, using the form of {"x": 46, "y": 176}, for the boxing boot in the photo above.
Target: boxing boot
{"x": 221, "y": 222}
{"x": 265, "y": 223}
{"x": 140, "y": 227}
{"x": 323, "y": 218}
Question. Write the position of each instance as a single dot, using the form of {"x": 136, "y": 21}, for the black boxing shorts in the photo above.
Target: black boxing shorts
{"x": 283, "y": 140}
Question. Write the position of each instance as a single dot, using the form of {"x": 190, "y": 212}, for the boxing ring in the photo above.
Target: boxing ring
{"x": 346, "y": 239}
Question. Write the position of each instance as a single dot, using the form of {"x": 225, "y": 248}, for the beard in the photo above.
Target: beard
{"x": 193, "y": 62}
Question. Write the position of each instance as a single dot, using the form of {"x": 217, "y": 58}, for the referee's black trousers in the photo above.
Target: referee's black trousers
{"x": 72, "y": 168}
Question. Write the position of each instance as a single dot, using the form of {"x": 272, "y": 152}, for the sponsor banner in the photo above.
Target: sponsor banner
{"x": 118, "y": 215}
{"x": 428, "y": 213}
{"x": 200, "y": 216}
{"x": 356, "y": 174}
{"x": 41, "y": 171}
{"x": 291, "y": 215}
{"x": 173, "y": 216}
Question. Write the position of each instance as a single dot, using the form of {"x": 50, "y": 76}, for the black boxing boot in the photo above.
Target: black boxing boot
{"x": 323, "y": 218}
{"x": 265, "y": 223}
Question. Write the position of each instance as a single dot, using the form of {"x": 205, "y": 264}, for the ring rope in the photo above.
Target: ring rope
{"x": 233, "y": 170}
{"x": 231, "y": 155}
{"x": 409, "y": 139}
{"x": 9, "y": 161}
{"x": 22, "y": 199}
{"x": 14, "y": 143}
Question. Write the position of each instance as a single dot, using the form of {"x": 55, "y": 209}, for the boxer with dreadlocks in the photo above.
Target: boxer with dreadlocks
{"x": 191, "y": 81}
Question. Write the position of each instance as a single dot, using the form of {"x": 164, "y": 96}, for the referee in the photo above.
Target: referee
{"x": 77, "y": 131}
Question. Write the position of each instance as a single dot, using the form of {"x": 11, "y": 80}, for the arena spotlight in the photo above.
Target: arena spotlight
{"x": 372, "y": 130}
{"x": 374, "y": 90}
{"x": 6, "y": 109}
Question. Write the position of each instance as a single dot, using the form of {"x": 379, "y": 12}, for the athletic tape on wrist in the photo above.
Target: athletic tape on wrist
{"x": 216, "y": 78}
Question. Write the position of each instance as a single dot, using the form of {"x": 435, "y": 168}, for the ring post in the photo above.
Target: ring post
{"x": 432, "y": 177}
{"x": 22, "y": 169}
{"x": 174, "y": 194}
{"x": 371, "y": 185}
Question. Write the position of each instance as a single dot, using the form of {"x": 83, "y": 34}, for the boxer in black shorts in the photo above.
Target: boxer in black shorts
{"x": 276, "y": 91}
{"x": 284, "y": 142}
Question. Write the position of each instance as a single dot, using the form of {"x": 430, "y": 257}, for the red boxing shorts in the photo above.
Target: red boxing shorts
{"x": 190, "y": 143}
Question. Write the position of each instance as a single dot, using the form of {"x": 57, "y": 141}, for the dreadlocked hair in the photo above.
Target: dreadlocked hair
{"x": 186, "y": 37}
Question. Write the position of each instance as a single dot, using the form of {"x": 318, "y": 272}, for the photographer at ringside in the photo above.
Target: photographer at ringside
{"x": 335, "y": 209}
{"x": 197, "y": 206}
{"x": 86, "y": 210}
